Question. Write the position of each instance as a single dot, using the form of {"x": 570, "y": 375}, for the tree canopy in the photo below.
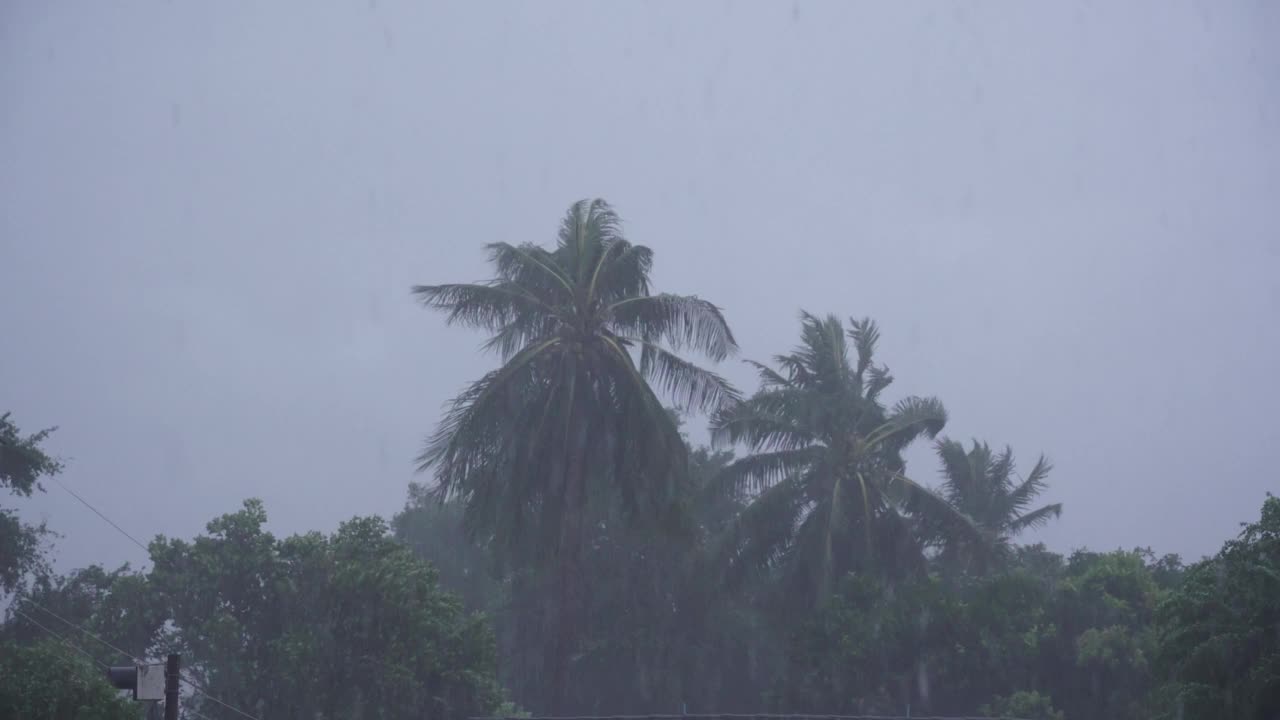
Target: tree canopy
{"x": 573, "y": 548}
{"x": 23, "y": 462}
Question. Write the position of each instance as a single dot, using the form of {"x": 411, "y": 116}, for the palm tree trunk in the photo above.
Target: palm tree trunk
{"x": 568, "y": 580}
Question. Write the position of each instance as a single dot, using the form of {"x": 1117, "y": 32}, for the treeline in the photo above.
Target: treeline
{"x": 572, "y": 553}
{"x": 346, "y": 625}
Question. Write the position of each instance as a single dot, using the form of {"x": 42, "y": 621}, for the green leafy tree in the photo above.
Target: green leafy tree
{"x": 1219, "y": 631}
{"x": 825, "y": 473}
{"x": 982, "y": 485}
{"x": 22, "y": 461}
{"x": 50, "y": 681}
{"x": 570, "y": 421}
{"x": 350, "y": 625}
{"x": 1098, "y": 660}
{"x": 657, "y": 633}
{"x": 117, "y": 606}
{"x": 1002, "y": 637}
{"x": 433, "y": 531}
{"x": 23, "y": 547}
{"x": 869, "y": 650}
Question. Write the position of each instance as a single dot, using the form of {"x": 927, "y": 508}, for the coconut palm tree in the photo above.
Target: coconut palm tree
{"x": 570, "y": 420}
{"x": 825, "y": 469}
{"x": 981, "y": 484}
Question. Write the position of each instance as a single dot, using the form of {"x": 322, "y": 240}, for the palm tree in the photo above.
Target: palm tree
{"x": 570, "y": 421}
{"x": 826, "y": 471}
{"x": 981, "y": 484}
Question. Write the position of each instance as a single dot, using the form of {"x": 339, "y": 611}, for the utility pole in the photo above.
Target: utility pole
{"x": 171, "y": 679}
{"x": 148, "y": 684}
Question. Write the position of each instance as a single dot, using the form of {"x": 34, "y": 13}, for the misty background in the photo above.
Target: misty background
{"x": 1064, "y": 218}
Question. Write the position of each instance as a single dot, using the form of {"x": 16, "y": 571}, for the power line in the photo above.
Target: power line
{"x": 200, "y": 691}
{"x": 199, "y": 687}
{"x": 99, "y": 514}
{"x": 105, "y": 666}
{"x": 131, "y": 657}
{"x": 82, "y": 629}
{"x": 64, "y": 640}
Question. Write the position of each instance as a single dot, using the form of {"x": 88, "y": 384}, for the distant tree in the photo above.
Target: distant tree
{"x": 570, "y": 420}
{"x": 433, "y": 531}
{"x": 1219, "y": 631}
{"x": 827, "y": 481}
{"x": 869, "y": 650}
{"x": 1103, "y": 613}
{"x": 117, "y": 606}
{"x": 325, "y": 627}
{"x": 23, "y": 462}
{"x": 657, "y": 631}
{"x": 981, "y": 484}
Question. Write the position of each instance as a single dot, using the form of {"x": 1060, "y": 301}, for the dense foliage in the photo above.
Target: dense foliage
{"x": 573, "y": 551}
{"x": 22, "y": 464}
{"x": 47, "y": 680}
{"x": 1219, "y": 632}
{"x": 349, "y": 625}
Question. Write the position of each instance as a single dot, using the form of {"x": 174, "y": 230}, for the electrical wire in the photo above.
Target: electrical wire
{"x": 95, "y": 510}
{"x": 64, "y": 640}
{"x": 131, "y": 657}
{"x": 200, "y": 691}
{"x": 199, "y": 688}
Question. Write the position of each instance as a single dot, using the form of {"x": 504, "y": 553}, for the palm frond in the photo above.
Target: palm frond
{"x": 679, "y": 320}
{"x": 645, "y": 436}
{"x": 912, "y": 417}
{"x": 769, "y": 378}
{"x": 519, "y": 334}
{"x": 878, "y": 378}
{"x": 810, "y": 558}
{"x": 690, "y": 386}
{"x": 823, "y": 354}
{"x": 487, "y": 306}
{"x": 999, "y": 467}
{"x": 865, "y": 334}
{"x": 457, "y": 446}
{"x": 757, "y": 429}
{"x": 1036, "y": 518}
{"x": 935, "y": 511}
{"x": 762, "y": 532}
{"x": 957, "y": 477}
{"x": 532, "y": 268}
{"x": 625, "y": 275}
{"x": 796, "y": 368}
{"x": 754, "y": 472}
{"x": 587, "y": 228}
{"x": 1023, "y": 494}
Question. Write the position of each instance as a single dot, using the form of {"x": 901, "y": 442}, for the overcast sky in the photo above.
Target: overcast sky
{"x": 1065, "y": 217}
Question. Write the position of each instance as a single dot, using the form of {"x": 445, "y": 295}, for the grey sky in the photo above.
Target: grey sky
{"x": 1064, "y": 216}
